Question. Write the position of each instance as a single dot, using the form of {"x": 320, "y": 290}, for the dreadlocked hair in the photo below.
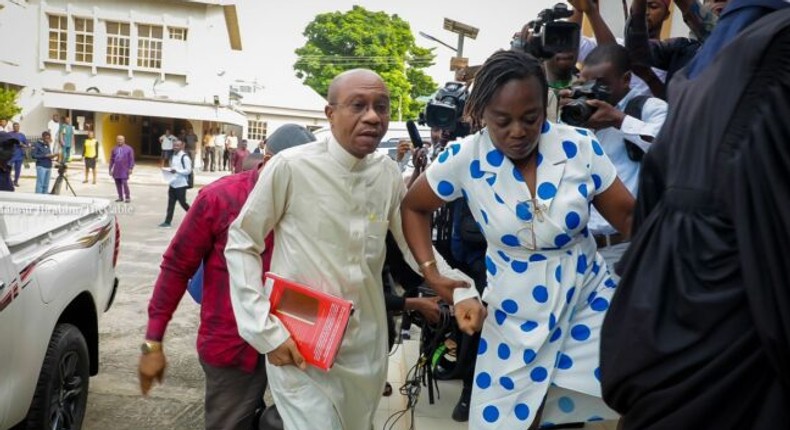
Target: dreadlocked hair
{"x": 499, "y": 68}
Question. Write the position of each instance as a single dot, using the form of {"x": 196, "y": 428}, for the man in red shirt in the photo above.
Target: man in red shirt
{"x": 235, "y": 371}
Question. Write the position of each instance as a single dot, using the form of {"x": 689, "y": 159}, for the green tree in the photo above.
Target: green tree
{"x": 339, "y": 41}
{"x": 8, "y": 106}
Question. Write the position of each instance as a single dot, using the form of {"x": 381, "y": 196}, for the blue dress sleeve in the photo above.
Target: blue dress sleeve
{"x": 445, "y": 175}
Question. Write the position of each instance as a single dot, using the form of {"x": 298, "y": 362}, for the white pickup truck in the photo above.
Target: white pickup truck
{"x": 57, "y": 276}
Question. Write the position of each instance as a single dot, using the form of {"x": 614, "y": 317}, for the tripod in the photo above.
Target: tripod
{"x": 60, "y": 180}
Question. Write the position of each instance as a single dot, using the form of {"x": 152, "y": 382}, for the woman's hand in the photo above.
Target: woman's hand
{"x": 443, "y": 285}
{"x": 470, "y": 315}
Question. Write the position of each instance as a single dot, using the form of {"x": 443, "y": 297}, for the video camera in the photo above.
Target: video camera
{"x": 550, "y": 36}
{"x": 62, "y": 169}
{"x": 446, "y": 110}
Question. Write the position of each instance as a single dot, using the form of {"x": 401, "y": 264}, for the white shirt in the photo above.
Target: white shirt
{"x": 167, "y": 141}
{"x": 587, "y": 44}
{"x": 219, "y": 140}
{"x": 54, "y": 128}
{"x": 233, "y": 142}
{"x": 612, "y": 140}
{"x": 183, "y": 170}
{"x": 330, "y": 213}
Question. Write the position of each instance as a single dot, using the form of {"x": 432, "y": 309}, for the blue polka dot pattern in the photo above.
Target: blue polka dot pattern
{"x": 517, "y": 174}
{"x": 583, "y": 190}
{"x": 600, "y": 304}
{"x": 537, "y": 257}
{"x": 523, "y": 212}
{"x": 597, "y": 373}
{"x": 540, "y": 294}
{"x": 528, "y": 326}
{"x": 581, "y": 264}
{"x": 558, "y": 273}
{"x": 540, "y": 159}
{"x": 597, "y": 147}
{"x": 455, "y": 148}
{"x": 482, "y": 347}
{"x": 565, "y": 362}
{"x": 474, "y": 170}
{"x": 491, "y": 180}
{"x": 565, "y": 404}
{"x": 500, "y": 317}
{"x": 483, "y": 380}
{"x": 585, "y": 232}
{"x": 597, "y": 181}
{"x": 569, "y": 295}
{"x": 572, "y": 220}
{"x": 445, "y": 188}
{"x": 570, "y": 148}
{"x": 491, "y": 414}
{"x": 594, "y": 418}
{"x": 561, "y": 240}
{"x": 463, "y": 193}
{"x": 556, "y": 335}
{"x": 547, "y": 190}
{"x": 499, "y": 199}
{"x": 495, "y": 157}
{"x": 529, "y": 356}
{"x": 485, "y": 216}
{"x": 444, "y": 156}
{"x": 592, "y": 297}
{"x": 519, "y": 266}
{"x": 503, "y": 256}
{"x": 595, "y": 267}
{"x": 510, "y": 240}
{"x": 610, "y": 283}
{"x": 580, "y": 332}
{"x": 507, "y": 383}
{"x": 581, "y": 131}
{"x": 490, "y": 266}
{"x": 510, "y": 306}
{"x": 539, "y": 374}
{"x": 522, "y": 412}
{"x": 552, "y": 321}
{"x": 545, "y": 128}
{"x": 503, "y": 351}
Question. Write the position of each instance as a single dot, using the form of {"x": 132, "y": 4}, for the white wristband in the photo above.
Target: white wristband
{"x": 461, "y": 294}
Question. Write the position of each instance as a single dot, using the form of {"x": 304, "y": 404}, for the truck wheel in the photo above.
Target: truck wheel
{"x": 62, "y": 391}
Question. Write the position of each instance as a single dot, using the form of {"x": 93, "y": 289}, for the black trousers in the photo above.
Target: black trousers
{"x": 173, "y": 195}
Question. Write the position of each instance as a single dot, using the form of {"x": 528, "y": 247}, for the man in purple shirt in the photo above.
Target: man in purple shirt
{"x": 121, "y": 166}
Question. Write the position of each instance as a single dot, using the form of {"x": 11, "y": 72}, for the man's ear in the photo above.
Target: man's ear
{"x": 627, "y": 78}
{"x": 329, "y": 111}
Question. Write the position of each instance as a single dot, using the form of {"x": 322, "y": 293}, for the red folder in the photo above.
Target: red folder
{"x": 315, "y": 320}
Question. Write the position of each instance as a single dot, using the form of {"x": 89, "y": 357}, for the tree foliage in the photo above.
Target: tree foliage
{"x": 8, "y": 106}
{"x": 340, "y": 41}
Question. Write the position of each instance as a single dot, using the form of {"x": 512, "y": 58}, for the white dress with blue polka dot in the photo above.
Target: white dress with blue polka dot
{"x": 548, "y": 289}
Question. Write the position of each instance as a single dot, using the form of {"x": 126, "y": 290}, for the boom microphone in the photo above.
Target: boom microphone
{"x": 414, "y": 134}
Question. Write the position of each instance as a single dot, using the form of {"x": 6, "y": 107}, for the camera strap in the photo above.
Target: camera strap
{"x": 634, "y": 109}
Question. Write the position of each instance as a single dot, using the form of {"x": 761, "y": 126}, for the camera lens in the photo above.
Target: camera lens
{"x": 576, "y": 113}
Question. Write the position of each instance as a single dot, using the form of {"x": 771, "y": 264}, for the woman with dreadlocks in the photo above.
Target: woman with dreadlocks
{"x": 529, "y": 184}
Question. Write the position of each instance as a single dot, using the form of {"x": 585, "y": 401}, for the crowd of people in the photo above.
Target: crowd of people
{"x": 628, "y": 264}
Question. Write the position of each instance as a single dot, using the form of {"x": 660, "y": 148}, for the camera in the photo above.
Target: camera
{"x": 62, "y": 169}
{"x": 550, "y": 36}
{"x": 577, "y": 112}
{"x": 446, "y": 109}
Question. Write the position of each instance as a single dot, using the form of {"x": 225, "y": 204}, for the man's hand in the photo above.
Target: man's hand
{"x": 152, "y": 367}
{"x": 443, "y": 285}
{"x": 584, "y": 6}
{"x": 285, "y": 354}
{"x": 605, "y": 116}
{"x": 470, "y": 314}
{"x": 404, "y": 146}
{"x": 428, "y": 307}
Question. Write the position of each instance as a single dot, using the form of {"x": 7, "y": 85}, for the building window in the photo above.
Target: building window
{"x": 177, "y": 33}
{"x": 83, "y": 37}
{"x": 118, "y": 43}
{"x": 256, "y": 130}
{"x": 58, "y": 32}
{"x": 149, "y": 46}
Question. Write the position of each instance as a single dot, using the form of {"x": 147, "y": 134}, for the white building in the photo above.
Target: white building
{"x": 269, "y": 104}
{"x": 122, "y": 67}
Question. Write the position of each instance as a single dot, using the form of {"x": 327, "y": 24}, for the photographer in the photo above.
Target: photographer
{"x": 624, "y": 123}
{"x": 43, "y": 155}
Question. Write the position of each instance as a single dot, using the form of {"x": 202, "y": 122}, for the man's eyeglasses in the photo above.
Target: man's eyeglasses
{"x": 359, "y": 108}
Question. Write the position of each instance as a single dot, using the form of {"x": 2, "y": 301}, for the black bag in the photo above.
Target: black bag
{"x": 191, "y": 177}
{"x": 634, "y": 108}
{"x": 470, "y": 230}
